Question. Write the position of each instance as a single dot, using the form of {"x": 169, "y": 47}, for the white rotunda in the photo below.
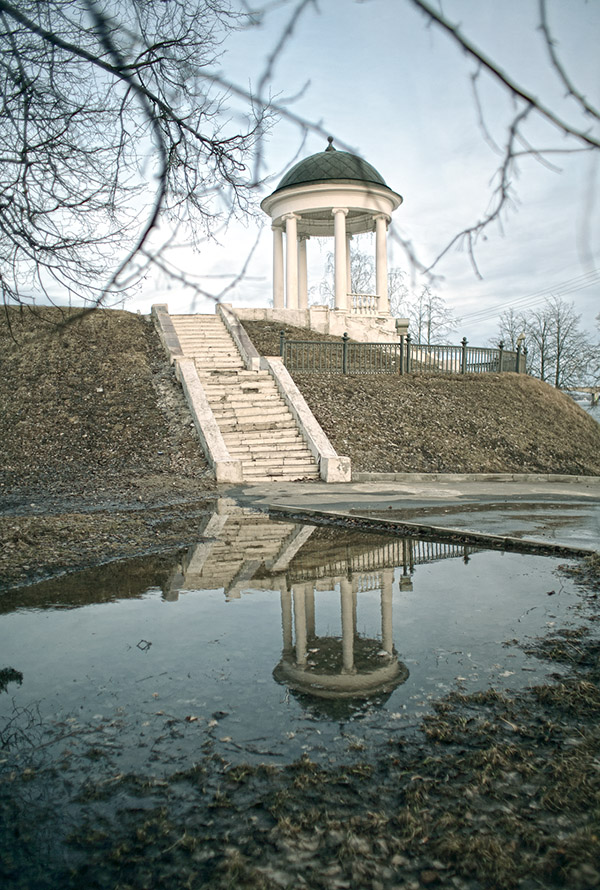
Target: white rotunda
{"x": 329, "y": 194}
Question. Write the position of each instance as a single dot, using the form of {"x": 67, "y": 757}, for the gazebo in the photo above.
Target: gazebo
{"x": 329, "y": 194}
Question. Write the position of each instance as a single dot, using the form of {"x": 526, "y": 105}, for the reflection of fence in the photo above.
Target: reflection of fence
{"x": 346, "y": 357}
{"x": 402, "y": 552}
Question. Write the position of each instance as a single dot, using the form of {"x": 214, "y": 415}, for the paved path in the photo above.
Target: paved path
{"x": 565, "y": 513}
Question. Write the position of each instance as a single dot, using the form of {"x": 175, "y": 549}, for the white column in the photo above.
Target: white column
{"x": 348, "y": 267}
{"x": 291, "y": 261}
{"x": 347, "y": 626}
{"x": 339, "y": 232}
{"x": 278, "y": 293}
{"x": 381, "y": 272}
{"x": 302, "y": 273}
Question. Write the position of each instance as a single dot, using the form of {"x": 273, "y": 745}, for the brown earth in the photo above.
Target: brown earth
{"x": 442, "y": 423}
{"x": 99, "y": 457}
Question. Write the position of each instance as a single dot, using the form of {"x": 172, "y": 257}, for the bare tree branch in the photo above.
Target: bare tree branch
{"x": 505, "y": 79}
{"x": 550, "y": 44}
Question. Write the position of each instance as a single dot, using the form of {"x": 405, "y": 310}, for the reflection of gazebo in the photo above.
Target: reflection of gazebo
{"x": 332, "y": 193}
{"x": 326, "y": 667}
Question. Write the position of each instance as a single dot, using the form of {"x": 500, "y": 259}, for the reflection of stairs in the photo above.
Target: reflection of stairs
{"x": 255, "y": 422}
{"x": 237, "y": 545}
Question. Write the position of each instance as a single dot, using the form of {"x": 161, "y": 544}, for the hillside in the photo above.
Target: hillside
{"x": 477, "y": 423}
{"x": 91, "y": 409}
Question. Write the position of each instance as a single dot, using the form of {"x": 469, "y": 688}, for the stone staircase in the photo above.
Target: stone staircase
{"x": 244, "y": 542}
{"x": 255, "y": 422}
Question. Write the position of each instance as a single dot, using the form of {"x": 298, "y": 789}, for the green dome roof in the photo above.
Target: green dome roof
{"x": 331, "y": 165}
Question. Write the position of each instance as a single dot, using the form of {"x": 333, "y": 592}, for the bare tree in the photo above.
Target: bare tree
{"x": 110, "y": 123}
{"x": 558, "y": 351}
{"x": 511, "y": 326}
{"x": 113, "y": 122}
{"x": 430, "y": 319}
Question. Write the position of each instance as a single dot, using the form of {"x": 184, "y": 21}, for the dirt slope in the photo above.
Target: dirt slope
{"x": 479, "y": 423}
{"x": 90, "y": 408}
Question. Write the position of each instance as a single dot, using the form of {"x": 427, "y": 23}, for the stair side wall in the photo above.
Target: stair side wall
{"x": 332, "y": 466}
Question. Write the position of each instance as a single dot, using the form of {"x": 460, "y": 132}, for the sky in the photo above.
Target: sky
{"x": 398, "y": 91}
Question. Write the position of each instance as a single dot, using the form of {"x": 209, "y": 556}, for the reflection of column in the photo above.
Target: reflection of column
{"x": 309, "y": 601}
{"x": 407, "y": 565}
{"x": 302, "y": 273}
{"x": 339, "y": 232}
{"x": 347, "y": 625}
{"x": 300, "y": 623}
{"x": 291, "y": 261}
{"x": 278, "y": 293}
{"x": 286, "y": 619}
{"x": 387, "y": 577}
{"x": 381, "y": 273}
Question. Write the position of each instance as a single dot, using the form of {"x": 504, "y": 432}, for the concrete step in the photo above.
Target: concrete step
{"x": 229, "y": 385}
{"x": 263, "y": 437}
{"x": 243, "y": 400}
{"x": 197, "y": 321}
{"x": 276, "y": 461}
{"x": 241, "y": 426}
{"x": 242, "y": 376}
{"x": 252, "y": 412}
{"x": 277, "y": 476}
{"x": 259, "y": 449}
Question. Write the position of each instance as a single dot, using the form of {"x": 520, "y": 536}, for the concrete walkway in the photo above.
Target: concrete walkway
{"x": 556, "y": 512}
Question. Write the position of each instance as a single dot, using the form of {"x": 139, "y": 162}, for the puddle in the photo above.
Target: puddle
{"x": 267, "y": 640}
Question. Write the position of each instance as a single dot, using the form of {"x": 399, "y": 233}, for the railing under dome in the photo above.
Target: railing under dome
{"x": 363, "y": 304}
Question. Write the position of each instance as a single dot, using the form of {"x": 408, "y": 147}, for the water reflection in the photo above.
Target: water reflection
{"x": 244, "y": 551}
{"x": 265, "y": 636}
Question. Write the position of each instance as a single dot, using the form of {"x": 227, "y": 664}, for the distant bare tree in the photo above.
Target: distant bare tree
{"x": 558, "y": 351}
{"x": 430, "y": 319}
{"x": 510, "y": 328}
{"x": 362, "y": 272}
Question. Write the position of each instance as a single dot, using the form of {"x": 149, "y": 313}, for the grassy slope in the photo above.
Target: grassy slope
{"x": 446, "y": 423}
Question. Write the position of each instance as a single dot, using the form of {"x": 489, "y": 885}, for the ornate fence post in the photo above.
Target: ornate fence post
{"x": 345, "y": 353}
{"x": 463, "y": 363}
{"x": 524, "y": 360}
{"x": 408, "y": 353}
{"x": 501, "y": 356}
{"x": 402, "y": 354}
{"x": 518, "y": 368}
{"x": 282, "y": 345}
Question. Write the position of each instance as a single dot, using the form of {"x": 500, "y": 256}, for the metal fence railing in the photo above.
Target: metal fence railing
{"x": 404, "y": 357}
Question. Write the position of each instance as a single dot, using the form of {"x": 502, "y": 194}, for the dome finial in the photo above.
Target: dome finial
{"x": 330, "y": 146}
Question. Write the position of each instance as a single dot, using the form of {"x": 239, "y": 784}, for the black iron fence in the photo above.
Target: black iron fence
{"x": 404, "y": 357}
